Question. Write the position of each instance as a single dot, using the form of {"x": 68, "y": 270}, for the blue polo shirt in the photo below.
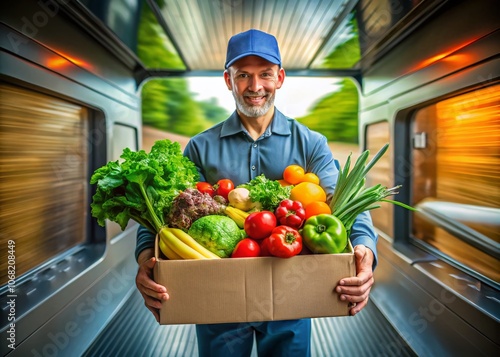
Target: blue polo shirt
{"x": 227, "y": 151}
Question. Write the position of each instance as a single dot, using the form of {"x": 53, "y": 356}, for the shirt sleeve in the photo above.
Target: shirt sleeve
{"x": 362, "y": 232}
{"x": 145, "y": 239}
{"x": 191, "y": 152}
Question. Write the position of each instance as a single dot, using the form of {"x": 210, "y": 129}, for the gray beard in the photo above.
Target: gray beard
{"x": 253, "y": 111}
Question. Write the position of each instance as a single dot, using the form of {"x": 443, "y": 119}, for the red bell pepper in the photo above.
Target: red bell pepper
{"x": 284, "y": 242}
{"x": 290, "y": 213}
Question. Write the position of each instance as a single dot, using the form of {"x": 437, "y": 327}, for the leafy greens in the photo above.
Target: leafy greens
{"x": 143, "y": 186}
{"x": 269, "y": 193}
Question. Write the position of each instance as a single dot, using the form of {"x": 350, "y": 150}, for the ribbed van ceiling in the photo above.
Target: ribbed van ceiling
{"x": 200, "y": 29}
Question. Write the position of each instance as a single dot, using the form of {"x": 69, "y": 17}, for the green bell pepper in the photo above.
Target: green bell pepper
{"x": 325, "y": 234}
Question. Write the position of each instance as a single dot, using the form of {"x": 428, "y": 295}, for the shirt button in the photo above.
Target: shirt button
{"x": 253, "y": 167}
{"x": 254, "y": 145}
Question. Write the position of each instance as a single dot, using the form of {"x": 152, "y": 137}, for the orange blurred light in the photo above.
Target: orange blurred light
{"x": 445, "y": 56}
{"x": 64, "y": 60}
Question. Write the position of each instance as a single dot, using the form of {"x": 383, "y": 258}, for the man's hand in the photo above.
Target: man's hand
{"x": 356, "y": 289}
{"x": 151, "y": 292}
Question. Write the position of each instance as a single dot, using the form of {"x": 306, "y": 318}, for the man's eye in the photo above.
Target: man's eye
{"x": 242, "y": 75}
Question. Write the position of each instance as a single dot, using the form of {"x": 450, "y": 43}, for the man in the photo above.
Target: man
{"x": 258, "y": 139}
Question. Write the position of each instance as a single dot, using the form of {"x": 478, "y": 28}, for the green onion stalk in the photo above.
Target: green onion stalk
{"x": 351, "y": 197}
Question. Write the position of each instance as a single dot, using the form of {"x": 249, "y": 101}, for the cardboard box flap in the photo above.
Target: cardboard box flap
{"x": 204, "y": 291}
{"x": 201, "y": 292}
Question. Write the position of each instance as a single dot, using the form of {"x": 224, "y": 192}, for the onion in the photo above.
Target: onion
{"x": 240, "y": 198}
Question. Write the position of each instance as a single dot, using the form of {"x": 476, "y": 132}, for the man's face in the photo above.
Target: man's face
{"x": 253, "y": 82}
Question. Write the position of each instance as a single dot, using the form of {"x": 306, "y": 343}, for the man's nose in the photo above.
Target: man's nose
{"x": 255, "y": 83}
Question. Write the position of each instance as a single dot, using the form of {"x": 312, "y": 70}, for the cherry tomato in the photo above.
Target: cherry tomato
{"x": 246, "y": 247}
{"x": 223, "y": 187}
{"x": 259, "y": 225}
{"x": 205, "y": 187}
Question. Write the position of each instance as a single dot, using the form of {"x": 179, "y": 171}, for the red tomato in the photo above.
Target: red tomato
{"x": 264, "y": 247}
{"x": 246, "y": 248}
{"x": 259, "y": 225}
{"x": 205, "y": 187}
{"x": 223, "y": 187}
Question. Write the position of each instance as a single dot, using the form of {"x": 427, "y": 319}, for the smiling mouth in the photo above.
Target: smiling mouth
{"x": 255, "y": 99}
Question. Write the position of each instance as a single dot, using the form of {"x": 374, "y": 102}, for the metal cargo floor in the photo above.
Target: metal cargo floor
{"x": 134, "y": 332}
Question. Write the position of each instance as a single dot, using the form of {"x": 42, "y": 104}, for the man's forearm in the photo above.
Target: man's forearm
{"x": 145, "y": 240}
{"x": 145, "y": 255}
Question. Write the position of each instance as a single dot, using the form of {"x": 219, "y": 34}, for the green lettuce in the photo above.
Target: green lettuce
{"x": 142, "y": 186}
{"x": 269, "y": 193}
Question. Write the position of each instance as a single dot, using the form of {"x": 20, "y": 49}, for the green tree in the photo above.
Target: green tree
{"x": 167, "y": 103}
{"x": 212, "y": 111}
{"x": 153, "y": 46}
{"x": 348, "y": 53}
{"x": 336, "y": 114}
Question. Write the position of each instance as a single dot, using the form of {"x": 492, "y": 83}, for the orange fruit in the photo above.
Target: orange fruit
{"x": 317, "y": 207}
{"x": 310, "y": 177}
{"x": 307, "y": 192}
{"x": 293, "y": 174}
{"x": 284, "y": 183}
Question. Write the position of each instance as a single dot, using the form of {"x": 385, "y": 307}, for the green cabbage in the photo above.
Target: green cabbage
{"x": 219, "y": 234}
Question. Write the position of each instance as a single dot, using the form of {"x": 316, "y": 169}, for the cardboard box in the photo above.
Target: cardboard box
{"x": 252, "y": 289}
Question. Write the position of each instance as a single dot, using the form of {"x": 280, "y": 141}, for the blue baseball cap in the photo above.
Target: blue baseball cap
{"x": 253, "y": 43}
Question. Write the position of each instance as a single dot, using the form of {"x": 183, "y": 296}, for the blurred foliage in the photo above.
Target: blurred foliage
{"x": 153, "y": 46}
{"x": 348, "y": 53}
{"x": 167, "y": 103}
{"x": 213, "y": 113}
{"x": 336, "y": 114}
{"x": 160, "y": 3}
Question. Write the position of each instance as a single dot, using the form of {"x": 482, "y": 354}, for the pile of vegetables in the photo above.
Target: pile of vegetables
{"x": 199, "y": 220}
{"x": 299, "y": 214}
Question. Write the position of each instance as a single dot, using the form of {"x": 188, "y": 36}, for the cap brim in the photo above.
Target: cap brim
{"x": 268, "y": 58}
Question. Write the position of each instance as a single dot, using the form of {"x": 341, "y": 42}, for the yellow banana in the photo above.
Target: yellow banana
{"x": 190, "y": 241}
{"x": 165, "y": 249}
{"x": 179, "y": 247}
{"x": 237, "y": 215}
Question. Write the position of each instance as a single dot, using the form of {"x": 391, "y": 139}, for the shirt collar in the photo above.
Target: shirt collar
{"x": 279, "y": 125}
